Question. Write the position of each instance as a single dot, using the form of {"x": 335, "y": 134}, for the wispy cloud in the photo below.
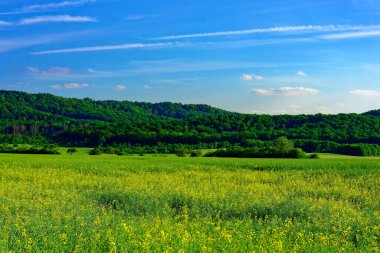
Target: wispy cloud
{"x": 49, "y": 19}
{"x": 58, "y": 18}
{"x": 10, "y": 44}
{"x": 120, "y": 87}
{"x": 49, "y": 71}
{"x": 5, "y": 23}
{"x": 51, "y": 6}
{"x": 47, "y": 7}
{"x": 251, "y": 77}
{"x": 301, "y": 73}
{"x": 351, "y": 35}
{"x": 109, "y": 48}
{"x": 13, "y": 44}
{"x": 365, "y": 93}
{"x": 283, "y": 29}
{"x": 286, "y": 91}
{"x": 135, "y": 17}
{"x": 70, "y": 86}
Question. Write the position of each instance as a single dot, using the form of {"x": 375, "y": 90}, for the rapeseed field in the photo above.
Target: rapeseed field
{"x": 81, "y": 203}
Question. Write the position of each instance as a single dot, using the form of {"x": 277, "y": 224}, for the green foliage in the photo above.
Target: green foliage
{"x": 279, "y": 148}
{"x": 95, "y": 151}
{"x": 361, "y": 149}
{"x": 72, "y": 151}
{"x": 314, "y": 156}
{"x": 26, "y": 149}
{"x": 283, "y": 145}
{"x": 181, "y": 152}
{"x": 196, "y": 153}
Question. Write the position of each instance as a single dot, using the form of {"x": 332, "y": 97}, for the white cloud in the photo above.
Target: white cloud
{"x": 147, "y": 87}
{"x": 58, "y": 18}
{"x": 108, "y": 48}
{"x": 56, "y": 87}
{"x": 50, "y": 6}
{"x": 48, "y": 19}
{"x": 301, "y": 73}
{"x": 286, "y": 91}
{"x": 93, "y": 71}
{"x": 251, "y": 77}
{"x": 51, "y": 71}
{"x": 365, "y": 93}
{"x": 58, "y": 70}
{"x": 323, "y": 110}
{"x": 284, "y": 29}
{"x": 33, "y": 70}
{"x": 5, "y": 23}
{"x": 351, "y": 35}
{"x": 70, "y": 86}
{"x": 135, "y": 17}
{"x": 10, "y": 44}
{"x": 120, "y": 87}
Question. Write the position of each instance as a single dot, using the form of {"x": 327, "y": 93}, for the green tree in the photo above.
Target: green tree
{"x": 283, "y": 145}
{"x": 71, "y": 151}
{"x": 181, "y": 151}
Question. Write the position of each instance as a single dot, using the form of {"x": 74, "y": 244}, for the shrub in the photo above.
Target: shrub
{"x": 181, "y": 152}
{"x": 95, "y": 151}
{"x": 296, "y": 153}
{"x": 71, "y": 151}
{"x": 314, "y": 156}
{"x": 196, "y": 153}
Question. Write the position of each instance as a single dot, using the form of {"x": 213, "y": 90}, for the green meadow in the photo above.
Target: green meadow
{"x": 82, "y": 203}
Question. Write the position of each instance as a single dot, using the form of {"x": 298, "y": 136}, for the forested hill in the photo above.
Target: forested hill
{"x": 31, "y": 118}
{"x": 29, "y": 107}
{"x": 373, "y": 113}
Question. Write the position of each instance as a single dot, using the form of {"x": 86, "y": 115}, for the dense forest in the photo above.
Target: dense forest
{"x": 44, "y": 118}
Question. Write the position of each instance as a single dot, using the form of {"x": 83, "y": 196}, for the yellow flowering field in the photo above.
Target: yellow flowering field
{"x": 107, "y": 203}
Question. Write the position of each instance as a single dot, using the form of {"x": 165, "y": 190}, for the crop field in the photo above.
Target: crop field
{"x": 82, "y": 203}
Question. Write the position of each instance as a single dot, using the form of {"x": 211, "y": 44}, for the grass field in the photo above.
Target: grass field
{"x": 84, "y": 203}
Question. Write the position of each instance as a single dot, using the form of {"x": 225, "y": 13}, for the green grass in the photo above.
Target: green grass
{"x": 81, "y": 203}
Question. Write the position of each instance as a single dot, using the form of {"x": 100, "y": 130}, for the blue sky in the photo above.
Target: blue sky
{"x": 276, "y": 57}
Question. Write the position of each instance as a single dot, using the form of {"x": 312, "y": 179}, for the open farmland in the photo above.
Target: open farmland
{"x": 106, "y": 203}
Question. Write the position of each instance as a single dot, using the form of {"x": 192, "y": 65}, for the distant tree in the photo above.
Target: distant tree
{"x": 314, "y": 156}
{"x": 181, "y": 152}
{"x": 95, "y": 151}
{"x": 71, "y": 151}
{"x": 196, "y": 153}
{"x": 283, "y": 145}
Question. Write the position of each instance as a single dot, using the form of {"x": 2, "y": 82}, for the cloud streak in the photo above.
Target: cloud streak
{"x": 365, "y": 93}
{"x": 7, "y": 45}
{"x": 120, "y": 87}
{"x": 286, "y": 91}
{"x": 70, "y": 86}
{"x": 351, "y": 35}
{"x": 301, "y": 73}
{"x": 251, "y": 77}
{"x": 55, "y": 19}
{"x": 109, "y": 48}
{"x": 283, "y": 29}
{"x": 49, "y": 71}
{"x": 50, "y": 6}
{"x": 48, "y": 19}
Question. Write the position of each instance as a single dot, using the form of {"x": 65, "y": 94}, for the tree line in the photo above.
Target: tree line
{"x": 44, "y": 118}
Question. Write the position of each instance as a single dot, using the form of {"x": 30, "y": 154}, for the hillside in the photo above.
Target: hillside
{"x": 23, "y": 106}
{"x": 375, "y": 113}
{"x": 85, "y": 122}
